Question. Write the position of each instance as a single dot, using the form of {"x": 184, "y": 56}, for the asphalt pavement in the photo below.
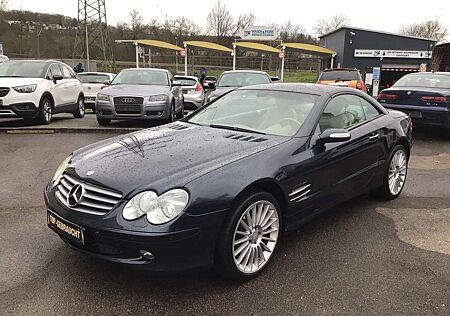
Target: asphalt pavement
{"x": 363, "y": 257}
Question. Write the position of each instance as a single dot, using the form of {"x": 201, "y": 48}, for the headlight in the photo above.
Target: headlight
{"x": 26, "y": 89}
{"x": 59, "y": 172}
{"x": 157, "y": 98}
{"x": 158, "y": 209}
{"x": 102, "y": 97}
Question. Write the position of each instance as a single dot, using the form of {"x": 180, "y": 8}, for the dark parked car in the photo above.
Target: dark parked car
{"x": 233, "y": 79}
{"x": 424, "y": 96}
{"x": 140, "y": 94}
{"x": 220, "y": 186}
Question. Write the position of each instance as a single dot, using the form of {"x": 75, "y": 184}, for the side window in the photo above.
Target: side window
{"x": 49, "y": 73}
{"x": 369, "y": 110}
{"x": 55, "y": 70}
{"x": 66, "y": 72}
{"x": 342, "y": 111}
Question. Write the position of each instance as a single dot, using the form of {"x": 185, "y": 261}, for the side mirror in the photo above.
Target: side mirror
{"x": 57, "y": 78}
{"x": 333, "y": 135}
{"x": 176, "y": 83}
{"x": 107, "y": 82}
{"x": 212, "y": 85}
{"x": 274, "y": 79}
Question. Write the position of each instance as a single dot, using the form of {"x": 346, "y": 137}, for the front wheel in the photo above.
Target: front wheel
{"x": 180, "y": 114}
{"x": 249, "y": 237}
{"x": 395, "y": 174}
{"x": 81, "y": 110}
{"x": 45, "y": 111}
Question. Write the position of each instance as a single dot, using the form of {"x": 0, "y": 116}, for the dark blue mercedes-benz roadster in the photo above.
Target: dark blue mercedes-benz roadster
{"x": 220, "y": 186}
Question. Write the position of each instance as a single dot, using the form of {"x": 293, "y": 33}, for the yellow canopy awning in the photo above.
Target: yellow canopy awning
{"x": 310, "y": 49}
{"x": 258, "y": 46}
{"x": 208, "y": 45}
{"x": 159, "y": 44}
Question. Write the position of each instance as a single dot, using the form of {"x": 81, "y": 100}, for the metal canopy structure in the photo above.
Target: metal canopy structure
{"x": 151, "y": 43}
{"x": 306, "y": 49}
{"x": 201, "y": 44}
{"x": 253, "y": 46}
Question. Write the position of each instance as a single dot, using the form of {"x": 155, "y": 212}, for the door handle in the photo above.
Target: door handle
{"x": 374, "y": 137}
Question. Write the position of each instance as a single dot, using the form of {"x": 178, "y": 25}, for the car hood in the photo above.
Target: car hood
{"x": 15, "y": 82}
{"x": 221, "y": 91}
{"x": 135, "y": 90}
{"x": 164, "y": 157}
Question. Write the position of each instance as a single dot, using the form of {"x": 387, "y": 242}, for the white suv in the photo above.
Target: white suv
{"x": 34, "y": 89}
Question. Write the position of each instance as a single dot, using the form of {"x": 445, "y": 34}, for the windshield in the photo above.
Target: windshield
{"x": 27, "y": 69}
{"x": 424, "y": 81}
{"x": 260, "y": 111}
{"x": 93, "y": 78}
{"x": 185, "y": 82}
{"x": 339, "y": 75}
{"x": 242, "y": 79}
{"x": 141, "y": 77}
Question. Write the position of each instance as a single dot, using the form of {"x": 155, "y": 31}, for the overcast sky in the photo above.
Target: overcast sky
{"x": 383, "y": 15}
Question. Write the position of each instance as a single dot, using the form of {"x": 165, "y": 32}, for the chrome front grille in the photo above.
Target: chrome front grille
{"x": 95, "y": 200}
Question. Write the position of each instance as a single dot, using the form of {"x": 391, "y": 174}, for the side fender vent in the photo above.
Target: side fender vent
{"x": 300, "y": 192}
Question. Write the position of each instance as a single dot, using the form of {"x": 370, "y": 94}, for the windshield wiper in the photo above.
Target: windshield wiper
{"x": 12, "y": 76}
{"x": 235, "y": 128}
{"x": 226, "y": 86}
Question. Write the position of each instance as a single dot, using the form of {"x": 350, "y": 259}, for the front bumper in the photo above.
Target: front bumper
{"x": 24, "y": 110}
{"x": 153, "y": 111}
{"x": 424, "y": 115}
{"x": 186, "y": 244}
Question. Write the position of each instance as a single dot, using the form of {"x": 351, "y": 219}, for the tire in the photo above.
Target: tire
{"x": 180, "y": 114}
{"x": 103, "y": 122}
{"x": 45, "y": 111}
{"x": 395, "y": 174}
{"x": 243, "y": 261}
{"x": 81, "y": 110}
{"x": 172, "y": 113}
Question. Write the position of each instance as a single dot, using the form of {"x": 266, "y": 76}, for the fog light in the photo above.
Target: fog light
{"x": 147, "y": 255}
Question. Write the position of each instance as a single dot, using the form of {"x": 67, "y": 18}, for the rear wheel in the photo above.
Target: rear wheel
{"x": 45, "y": 111}
{"x": 81, "y": 110}
{"x": 103, "y": 121}
{"x": 395, "y": 174}
{"x": 249, "y": 237}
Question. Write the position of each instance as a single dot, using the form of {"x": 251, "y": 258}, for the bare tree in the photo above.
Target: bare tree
{"x": 243, "y": 21}
{"x": 433, "y": 29}
{"x": 4, "y": 5}
{"x": 289, "y": 30}
{"x": 136, "y": 22}
{"x": 183, "y": 26}
{"x": 219, "y": 20}
{"x": 324, "y": 26}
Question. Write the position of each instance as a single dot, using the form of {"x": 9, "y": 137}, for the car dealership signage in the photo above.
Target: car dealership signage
{"x": 258, "y": 33}
{"x": 377, "y": 53}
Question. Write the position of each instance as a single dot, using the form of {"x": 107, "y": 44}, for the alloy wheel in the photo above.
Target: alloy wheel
{"x": 397, "y": 172}
{"x": 81, "y": 108}
{"x": 47, "y": 109}
{"x": 255, "y": 237}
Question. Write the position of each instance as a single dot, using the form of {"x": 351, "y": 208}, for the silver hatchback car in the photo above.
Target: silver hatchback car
{"x": 193, "y": 93}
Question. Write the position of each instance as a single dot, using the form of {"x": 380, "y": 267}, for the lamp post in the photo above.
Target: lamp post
{"x": 87, "y": 48}
{"x": 262, "y": 61}
{"x": 176, "y": 55}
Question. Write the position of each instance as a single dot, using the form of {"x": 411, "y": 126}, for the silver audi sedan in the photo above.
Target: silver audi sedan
{"x": 140, "y": 94}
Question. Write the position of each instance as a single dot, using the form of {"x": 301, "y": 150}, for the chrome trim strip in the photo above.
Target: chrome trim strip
{"x": 299, "y": 189}
{"x": 298, "y": 198}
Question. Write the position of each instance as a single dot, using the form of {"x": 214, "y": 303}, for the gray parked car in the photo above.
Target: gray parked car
{"x": 193, "y": 93}
{"x": 140, "y": 94}
{"x": 233, "y": 79}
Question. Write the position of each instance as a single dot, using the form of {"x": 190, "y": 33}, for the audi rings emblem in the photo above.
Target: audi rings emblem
{"x": 75, "y": 195}
{"x": 128, "y": 100}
